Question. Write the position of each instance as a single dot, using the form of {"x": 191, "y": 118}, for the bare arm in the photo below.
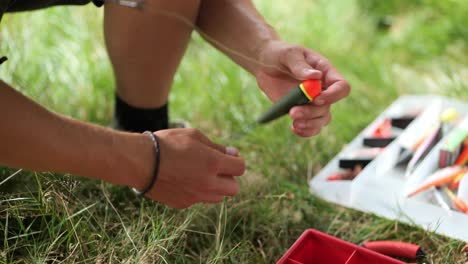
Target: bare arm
{"x": 192, "y": 168}
{"x": 37, "y": 139}
{"x": 237, "y": 26}
{"x": 280, "y": 66}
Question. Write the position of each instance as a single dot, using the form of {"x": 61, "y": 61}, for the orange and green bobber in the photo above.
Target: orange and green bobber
{"x": 302, "y": 94}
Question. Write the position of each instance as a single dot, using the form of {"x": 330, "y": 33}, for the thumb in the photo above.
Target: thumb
{"x": 296, "y": 62}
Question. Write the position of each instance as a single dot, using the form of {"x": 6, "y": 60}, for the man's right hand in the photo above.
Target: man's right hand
{"x": 193, "y": 169}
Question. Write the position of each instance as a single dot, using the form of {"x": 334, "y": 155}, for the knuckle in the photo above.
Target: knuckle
{"x": 290, "y": 50}
{"x": 193, "y": 132}
{"x": 323, "y": 64}
{"x": 288, "y": 53}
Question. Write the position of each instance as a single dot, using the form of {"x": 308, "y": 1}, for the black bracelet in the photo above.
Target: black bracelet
{"x": 157, "y": 150}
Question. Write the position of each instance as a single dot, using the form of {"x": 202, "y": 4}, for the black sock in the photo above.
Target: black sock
{"x": 135, "y": 119}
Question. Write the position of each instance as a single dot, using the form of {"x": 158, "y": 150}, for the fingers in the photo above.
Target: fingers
{"x": 232, "y": 151}
{"x": 310, "y": 127}
{"x": 305, "y": 134}
{"x": 222, "y": 186}
{"x": 311, "y": 124}
{"x": 229, "y": 165}
{"x": 227, "y": 186}
{"x": 212, "y": 199}
{"x": 194, "y": 169}
{"x": 334, "y": 93}
{"x": 308, "y": 111}
{"x": 201, "y": 137}
{"x": 309, "y": 119}
{"x": 316, "y": 123}
{"x": 295, "y": 60}
{"x": 335, "y": 85}
{"x": 226, "y": 160}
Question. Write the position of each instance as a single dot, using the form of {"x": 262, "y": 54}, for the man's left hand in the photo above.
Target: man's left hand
{"x": 286, "y": 65}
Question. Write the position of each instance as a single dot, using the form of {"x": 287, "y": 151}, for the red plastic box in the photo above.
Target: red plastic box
{"x": 314, "y": 247}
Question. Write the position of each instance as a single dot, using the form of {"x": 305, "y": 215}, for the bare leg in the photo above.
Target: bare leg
{"x": 145, "y": 48}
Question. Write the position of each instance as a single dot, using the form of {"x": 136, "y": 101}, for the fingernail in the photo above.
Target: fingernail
{"x": 232, "y": 151}
{"x": 309, "y": 71}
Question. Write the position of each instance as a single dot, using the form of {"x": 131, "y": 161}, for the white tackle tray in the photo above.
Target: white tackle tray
{"x": 381, "y": 188}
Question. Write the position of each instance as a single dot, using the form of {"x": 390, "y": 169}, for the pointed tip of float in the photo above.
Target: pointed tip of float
{"x": 262, "y": 120}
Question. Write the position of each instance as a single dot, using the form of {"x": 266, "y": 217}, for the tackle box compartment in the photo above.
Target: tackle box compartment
{"x": 381, "y": 187}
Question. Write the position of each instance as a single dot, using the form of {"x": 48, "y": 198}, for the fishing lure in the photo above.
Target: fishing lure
{"x": 347, "y": 175}
{"x": 439, "y": 178}
{"x": 456, "y": 182}
{"x": 302, "y": 94}
{"x": 383, "y": 130}
{"x": 407, "y": 150}
{"x": 463, "y": 189}
{"x": 457, "y": 202}
{"x": 440, "y": 199}
{"x": 428, "y": 143}
{"x": 452, "y": 144}
{"x": 463, "y": 158}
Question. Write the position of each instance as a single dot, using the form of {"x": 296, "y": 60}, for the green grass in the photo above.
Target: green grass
{"x": 58, "y": 58}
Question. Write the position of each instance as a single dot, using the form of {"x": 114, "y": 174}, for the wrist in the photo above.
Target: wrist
{"x": 134, "y": 162}
{"x": 266, "y": 52}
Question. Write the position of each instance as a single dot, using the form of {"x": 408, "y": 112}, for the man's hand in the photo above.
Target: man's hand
{"x": 284, "y": 66}
{"x": 194, "y": 169}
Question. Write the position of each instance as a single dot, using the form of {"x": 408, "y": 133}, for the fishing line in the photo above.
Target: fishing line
{"x": 141, "y": 6}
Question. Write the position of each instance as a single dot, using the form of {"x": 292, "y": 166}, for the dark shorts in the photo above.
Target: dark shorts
{"x": 27, "y": 5}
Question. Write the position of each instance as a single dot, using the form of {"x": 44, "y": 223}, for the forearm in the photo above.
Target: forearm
{"x": 37, "y": 139}
{"x": 236, "y": 28}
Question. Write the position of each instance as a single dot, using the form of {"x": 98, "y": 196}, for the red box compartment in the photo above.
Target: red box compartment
{"x": 314, "y": 247}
